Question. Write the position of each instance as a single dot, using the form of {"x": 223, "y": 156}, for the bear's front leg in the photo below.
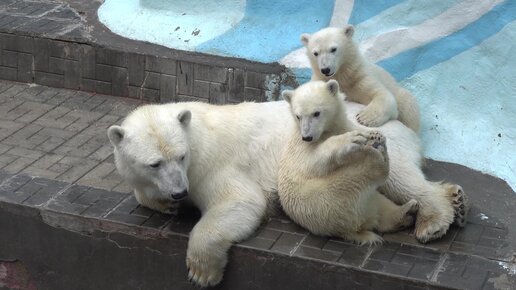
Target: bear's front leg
{"x": 382, "y": 108}
{"x": 233, "y": 219}
{"x": 333, "y": 151}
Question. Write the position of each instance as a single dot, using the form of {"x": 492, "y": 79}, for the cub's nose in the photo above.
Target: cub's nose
{"x": 308, "y": 138}
{"x": 325, "y": 71}
{"x": 180, "y": 195}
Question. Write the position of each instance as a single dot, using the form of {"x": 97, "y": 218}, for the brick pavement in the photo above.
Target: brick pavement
{"x": 55, "y": 155}
{"x": 60, "y": 134}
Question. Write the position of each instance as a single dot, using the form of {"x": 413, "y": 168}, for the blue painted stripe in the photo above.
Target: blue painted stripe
{"x": 408, "y": 13}
{"x": 411, "y": 61}
{"x": 365, "y": 9}
{"x": 271, "y": 29}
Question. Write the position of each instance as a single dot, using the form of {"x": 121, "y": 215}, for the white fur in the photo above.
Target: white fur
{"x": 231, "y": 163}
{"x": 334, "y": 55}
{"x": 328, "y": 184}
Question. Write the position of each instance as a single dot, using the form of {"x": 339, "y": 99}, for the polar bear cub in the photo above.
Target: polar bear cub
{"x": 329, "y": 174}
{"x": 334, "y": 55}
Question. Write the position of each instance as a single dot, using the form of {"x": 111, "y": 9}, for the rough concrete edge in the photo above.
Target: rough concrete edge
{"x": 90, "y": 227}
{"x": 86, "y": 225}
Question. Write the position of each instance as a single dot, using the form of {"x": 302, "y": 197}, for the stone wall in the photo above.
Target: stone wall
{"x": 151, "y": 78}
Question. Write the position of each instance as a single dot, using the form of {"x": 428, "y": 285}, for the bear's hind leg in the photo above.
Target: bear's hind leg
{"x": 436, "y": 212}
{"x": 392, "y": 217}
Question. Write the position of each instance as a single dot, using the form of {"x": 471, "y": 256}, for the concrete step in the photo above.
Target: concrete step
{"x": 61, "y": 43}
{"x": 59, "y": 235}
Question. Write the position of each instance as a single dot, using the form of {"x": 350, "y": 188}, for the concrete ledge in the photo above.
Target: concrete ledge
{"x": 58, "y": 235}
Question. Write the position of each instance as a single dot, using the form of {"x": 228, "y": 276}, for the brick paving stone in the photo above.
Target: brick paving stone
{"x": 470, "y": 272}
{"x": 18, "y": 164}
{"x": 9, "y": 188}
{"x": 123, "y": 187}
{"x": 103, "y": 176}
{"x": 77, "y": 168}
{"x": 287, "y": 243}
{"x": 41, "y": 189}
{"x": 56, "y": 118}
{"x": 6, "y": 160}
{"x": 30, "y": 111}
{"x": 7, "y": 128}
{"x": 318, "y": 254}
{"x": 285, "y": 225}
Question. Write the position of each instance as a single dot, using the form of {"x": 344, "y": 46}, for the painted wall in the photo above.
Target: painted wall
{"x": 456, "y": 56}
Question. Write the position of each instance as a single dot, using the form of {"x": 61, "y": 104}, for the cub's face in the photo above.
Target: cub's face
{"x": 313, "y": 106}
{"x": 326, "y": 48}
{"x": 152, "y": 152}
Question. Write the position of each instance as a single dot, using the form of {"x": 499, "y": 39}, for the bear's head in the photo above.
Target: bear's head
{"x": 152, "y": 151}
{"x": 329, "y": 49}
{"x": 314, "y": 106}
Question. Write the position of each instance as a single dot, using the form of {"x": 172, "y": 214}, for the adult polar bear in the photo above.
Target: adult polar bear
{"x": 226, "y": 159}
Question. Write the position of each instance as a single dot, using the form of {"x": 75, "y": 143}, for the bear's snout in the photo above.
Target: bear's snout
{"x": 307, "y": 138}
{"x": 180, "y": 195}
{"x": 326, "y": 71}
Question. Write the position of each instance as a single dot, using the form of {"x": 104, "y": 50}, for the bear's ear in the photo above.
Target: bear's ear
{"x": 349, "y": 31}
{"x": 115, "y": 134}
{"x": 333, "y": 87}
{"x": 184, "y": 117}
{"x": 305, "y": 38}
{"x": 287, "y": 95}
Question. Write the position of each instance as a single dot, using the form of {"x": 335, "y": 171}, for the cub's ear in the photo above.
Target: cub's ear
{"x": 305, "y": 37}
{"x": 184, "y": 117}
{"x": 287, "y": 95}
{"x": 349, "y": 30}
{"x": 115, "y": 134}
{"x": 333, "y": 87}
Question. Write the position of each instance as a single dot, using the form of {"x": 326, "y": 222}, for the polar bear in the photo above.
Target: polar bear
{"x": 334, "y": 55}
{"x": 225, "y": 160}
{"x": 330, "y": 186}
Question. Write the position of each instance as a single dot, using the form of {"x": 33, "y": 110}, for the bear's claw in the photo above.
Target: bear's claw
{"x": 460, "y": 205}
{"x": 205, "y": 272}
{"x": 376, "y": 140}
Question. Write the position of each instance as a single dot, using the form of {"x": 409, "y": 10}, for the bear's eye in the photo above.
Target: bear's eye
{"x": 316, "y": 53}
{"x": 155, "y": 164}
{"x": 297, "y": 117}
{"x": 316, "y": 114}
{"x": 334, "y": 49}
{"x": 183, "y": 158}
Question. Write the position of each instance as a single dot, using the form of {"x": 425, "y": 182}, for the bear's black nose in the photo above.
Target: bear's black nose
{"x": 325, "y": 71}
{"x": 180, "y": 195}
{"x": 307, "y": 139}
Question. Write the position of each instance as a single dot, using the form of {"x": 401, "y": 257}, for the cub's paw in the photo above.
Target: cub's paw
{"x": 371, "y": 117}
{"x": 430, "y": 228}
{"x": 459, "y": 201}
{"x": 409, "y": 209}
{"x": 205, "y": 269}
{"x": 364, "y": 237}
{"x": 356, "y": 137}
{"x": 376, "y": 140}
